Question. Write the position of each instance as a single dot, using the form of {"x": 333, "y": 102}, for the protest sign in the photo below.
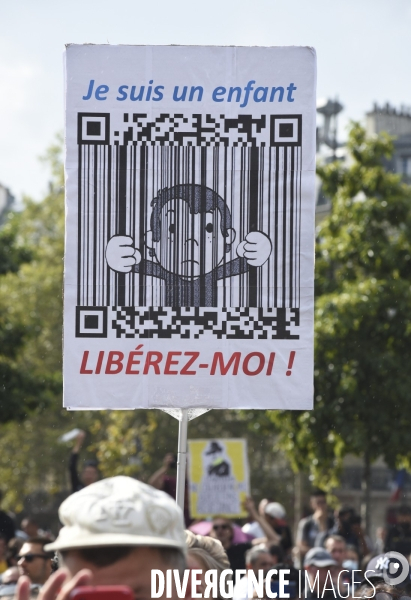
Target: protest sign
{"x": 218, "y": 477}
{"x": 190, "y": 227}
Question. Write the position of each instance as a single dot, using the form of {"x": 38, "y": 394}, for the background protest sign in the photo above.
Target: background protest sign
{"x": 218, "y": 477}
{"x": 190, "y": 227}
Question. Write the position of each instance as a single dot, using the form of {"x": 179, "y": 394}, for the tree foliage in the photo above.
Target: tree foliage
{"x": 15, "y": 386}
{"x": 362, "y": 320}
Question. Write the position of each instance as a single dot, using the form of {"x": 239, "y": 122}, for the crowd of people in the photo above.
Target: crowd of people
{"x": 116, "y": 530}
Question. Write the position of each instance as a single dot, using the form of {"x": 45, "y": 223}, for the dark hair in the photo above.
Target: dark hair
{"x": 91, "y": 463}
{"x": 379, "y": 587}
{"x": 404, "y": 510}
{"x": 356, "y": 520}
{"x": 14, "y": 547}
{"x": 200, "y": 199}
{"x": 229, "y": 522}
{"x": 41, "y": 541}
{"x": 344, "y": 510}
{"x": 277, "y": 551}
{"x": 366, "y": 590}
{"x": 108, "y": 555}
{"x": 31, "y": 519}
{"x": 317, "y": 492}
{"x": 293, "y": 576}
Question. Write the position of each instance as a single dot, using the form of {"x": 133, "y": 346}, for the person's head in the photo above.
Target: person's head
{"x": 378, "y": 567}
{"x": 222, "y": 529}
{"x": 352, "y": 558}
{"x": 382, "y": 591}
{"x": 13, "y": 550}
{"x": 318, "y": 500}
{"x": 90, "y": 473}
{"x": 259, "y": 558}
{"x": 337, "y": 547}
{"x": 275, "y": 514}
{"x": 277, "y": 553}
{"x": 344, "y": 517}
{"x": 30, "y": 527}
{"x": 34, "y": 561}
{"x": 404, "y": 515}
{"x": 205, "y": 553}
{"x": 190, "y": 229}
{"x": 320, "y": 564}
{"x": 119, "y": 523}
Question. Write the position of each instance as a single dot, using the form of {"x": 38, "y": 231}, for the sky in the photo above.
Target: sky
{"x": 363, "y": 50}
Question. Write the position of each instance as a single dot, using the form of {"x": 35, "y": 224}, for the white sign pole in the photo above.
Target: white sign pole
{"x": 182, "y": 458}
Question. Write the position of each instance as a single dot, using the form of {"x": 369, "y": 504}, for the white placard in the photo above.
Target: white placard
{"x": 190, "y": 227}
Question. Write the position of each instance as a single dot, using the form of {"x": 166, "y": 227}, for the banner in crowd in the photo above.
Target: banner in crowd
{"x": 190, "y": 227}
{"x": 218, "y": 477}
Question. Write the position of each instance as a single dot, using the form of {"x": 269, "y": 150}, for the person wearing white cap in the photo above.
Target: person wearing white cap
{"x": 274, "y": 513}
{"x": 115, "y": 532}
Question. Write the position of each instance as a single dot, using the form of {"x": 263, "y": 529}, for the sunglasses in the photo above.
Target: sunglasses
{"x": 29, "y": 557}
{"x": 217, "y": 527}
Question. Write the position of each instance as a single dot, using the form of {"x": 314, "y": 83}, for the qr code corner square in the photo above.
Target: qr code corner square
{"x": 91, "y": 321}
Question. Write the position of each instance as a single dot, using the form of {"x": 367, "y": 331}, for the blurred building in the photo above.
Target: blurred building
{"x": 6, "y": 202}
{"x": 396, "y": 122}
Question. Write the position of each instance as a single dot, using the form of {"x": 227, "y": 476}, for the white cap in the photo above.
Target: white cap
{"x": 119, "y": 511}
{"x": 275, "y": 509}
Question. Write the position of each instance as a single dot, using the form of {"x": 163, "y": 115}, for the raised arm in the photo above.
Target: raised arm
{"x": 269, "y": 532}
{"x": 157, "y": 478}
{"x": 73, "y": 461}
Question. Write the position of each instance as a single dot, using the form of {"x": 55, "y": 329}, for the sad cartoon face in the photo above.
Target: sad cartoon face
{"x": 189, "y": 244}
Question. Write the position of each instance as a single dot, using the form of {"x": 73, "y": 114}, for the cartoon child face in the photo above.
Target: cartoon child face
{"x": 190, "y": 245}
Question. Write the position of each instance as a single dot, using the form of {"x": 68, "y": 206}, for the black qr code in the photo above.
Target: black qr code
{"x": 195, "y": 130}
{"x": 246, "y": 323}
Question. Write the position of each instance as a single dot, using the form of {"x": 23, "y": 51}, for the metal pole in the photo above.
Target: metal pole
{"x": 182, "y": 457}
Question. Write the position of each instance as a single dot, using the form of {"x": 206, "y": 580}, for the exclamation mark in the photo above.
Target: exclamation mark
{"x": 290, "y": 363}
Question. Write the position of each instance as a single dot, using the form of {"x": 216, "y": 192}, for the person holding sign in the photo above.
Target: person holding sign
{"x": 90, "y": 473}
{"x": 165, "y": 481}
